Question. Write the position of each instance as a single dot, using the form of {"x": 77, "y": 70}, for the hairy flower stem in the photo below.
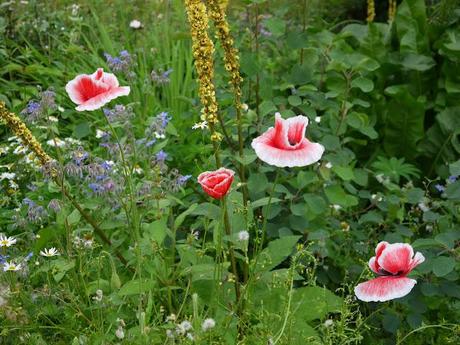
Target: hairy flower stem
{"x": 19, "y": 128}
{"x": 232, "y": 65}
{"x": 203, "y": 49}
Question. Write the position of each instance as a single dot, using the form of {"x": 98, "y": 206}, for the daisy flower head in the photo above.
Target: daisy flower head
{"x": 7, "y": 241}
{"x": 11, "y": 266}
{"x": 49, "y": 252}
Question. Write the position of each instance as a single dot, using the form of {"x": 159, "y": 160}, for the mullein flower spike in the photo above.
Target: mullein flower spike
{"x": 370, "y": 11}
{"x": 19, "y": 128}
{"x": 203, "y": 50}
{"x": 391, "y": 10}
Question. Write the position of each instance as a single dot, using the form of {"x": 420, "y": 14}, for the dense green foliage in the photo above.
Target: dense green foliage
{"x": 383, "y": 99}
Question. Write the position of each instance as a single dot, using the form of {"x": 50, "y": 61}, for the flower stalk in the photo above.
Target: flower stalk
{"x": 232, "y": 65}
{"x": 391, "y": 10}
{"x": 203, "y": 49}
{"x": 370, "y": 11}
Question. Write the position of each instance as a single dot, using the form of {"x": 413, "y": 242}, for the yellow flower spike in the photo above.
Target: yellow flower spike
{"x": 391, "y": 10}
{"x": 231, "y": 59}
{"x": 370, "y": 11}
{"x": 19, "y": 128}
{"x": 203, "y": 50}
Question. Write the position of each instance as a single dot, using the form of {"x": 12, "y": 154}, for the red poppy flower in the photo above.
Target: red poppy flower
{"x": 92, "y": 91}
{"x": 392, "y": 262}
{"x": 286, "y": 145}
{"x": 216, "y": 183}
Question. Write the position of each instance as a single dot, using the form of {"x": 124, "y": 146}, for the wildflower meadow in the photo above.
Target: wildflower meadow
{"x": 251, "y": 172}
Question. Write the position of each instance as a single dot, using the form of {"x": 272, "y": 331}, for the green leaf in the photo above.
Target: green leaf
{"x": 276, "y": 26}
{"x": 156, "y": 231}
{"x": 443, "y": 265}
{"x": 442, "y": 139}
{"x": 264, "y": 201}
{"x": 74, "y": 217}
{"x": 453, "y": 191}
{"x": 82, "y": 130}
{"x": 418, "y": 62}
{"x": 180, "y": 219}
{"x": 404, "y": 120}
{"x": 344, "y": 172}
{"x": 136, "y": 287}
{"x": 364, "y": 84}
{"x": 275, "y": 253}
{"x": 337, "y": 195}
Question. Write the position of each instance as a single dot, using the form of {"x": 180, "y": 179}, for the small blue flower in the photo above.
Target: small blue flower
{"x": 440, "y": 188}
{"x": 161, "y": 156}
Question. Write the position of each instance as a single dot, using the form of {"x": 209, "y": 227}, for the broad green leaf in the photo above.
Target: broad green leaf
{"x": 276, "y": 252}
{"x": 443, "y": 265}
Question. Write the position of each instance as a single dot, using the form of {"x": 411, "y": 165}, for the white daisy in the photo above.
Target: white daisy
{"x": 200, "y": 125}
{"x": 11, "y": 266}
{"x": 8, "y": 176}
{"x": 318, "y": 119}
{"x": 7, "y": 241}
{"x": 56, "y": 142}
{"x": 49, "y": 252}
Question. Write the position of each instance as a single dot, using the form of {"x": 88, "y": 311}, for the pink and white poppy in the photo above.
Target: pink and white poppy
{"x": 286, "y": 145}
{"x": 392, "y": 262}
{"x": 92, "y": 91}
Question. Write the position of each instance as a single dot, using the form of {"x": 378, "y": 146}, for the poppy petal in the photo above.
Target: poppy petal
{"x": 417, "y": 260}
{"x": 383, "y": 289}
{"x": 309, "y": 154}
{"x": 396, "y": 258}
{"x": 102, "y": 99}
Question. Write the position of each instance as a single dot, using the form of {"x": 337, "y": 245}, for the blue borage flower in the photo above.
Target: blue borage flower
{"x": 122, "y": 63}
{"x": 36, "y": 110}
{"x": 161, "y": 77}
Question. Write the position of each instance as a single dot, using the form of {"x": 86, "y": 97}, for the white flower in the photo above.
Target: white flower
{"x": 135, "y": 24}
{"x": 336, "y": 207}
{"x": 13, "y": 185}
{"x": 423, "y": 207}
{"x": 73, "y": 141}
{"x": 8, "y": 176}
{"x": 200, "y": 125}
{"x": 138, "y": 170}
{"x": 208, "y": 324}
{"x": 328, "y": 165}
{"x": 243, "y": 236}
{"x": 49, "y": 252}
{"x": 11, "y": 266}
{"x": 380, "y": 178}
{"x": 99, "y": 295}
{"x": 244, "y": 106}
{"x": 159, "y": 135}
{"x": 53, "y": 119}
{"x": 171, "y": 317}
{"x": 7, "y": 241}
{"x": 56, "y": 142}
{"x": 318, "y": 119}
{"x": 328, "y": 323}
{"x": 183, "y": 327}
{"x": 20, "y": 150}
{"x": 100, "y": 134}
{"x": 120, "y": 333}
